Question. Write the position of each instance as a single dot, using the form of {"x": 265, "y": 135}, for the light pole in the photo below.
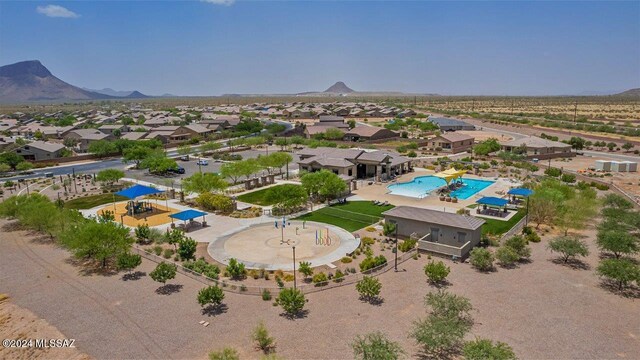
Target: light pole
{"x": 395, "y": 266}
{"x": 294, "y": 267}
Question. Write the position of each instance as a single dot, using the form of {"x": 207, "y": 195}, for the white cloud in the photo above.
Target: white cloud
{"x": 56, "y": 11}
{"x": 220, "y": 2}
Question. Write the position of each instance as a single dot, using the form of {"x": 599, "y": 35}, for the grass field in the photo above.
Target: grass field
{"x": 351, "y": 216}
{"x": 92, "y": 201}
{"x": 498, "y": 227}
{"x": 257, "y": 197}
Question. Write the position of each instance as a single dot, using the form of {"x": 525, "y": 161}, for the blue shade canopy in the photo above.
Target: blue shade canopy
{"x": 520, "y": 192}
{"x": 188, "y": 214}
{"x": 492, "y": 201}
{"x": 138, "y": 190}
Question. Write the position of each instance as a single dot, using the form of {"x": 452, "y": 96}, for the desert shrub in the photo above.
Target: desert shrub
{"x": 292, "y": 300}
{"x": 407, "y": 245}
{"x": 339, "y": 276}
{"x": 320, "y": 279}
{"x": 481, "y": 259}
{"x": 167, "y": 253}
{"x": 201, "y": 266}
{"x": 507, "y": 256}
{"x": 211, "y": 202}
{"x": 369, "y": 288}
{"x": 279, "y": 281}
{"x": 368, "y": 241}
{"x": 157, "y": 250}
{"x": 236, "y": 269}
{"x": 287, "y": 277}
{"x": 481, "y": 349}
{"x": 370, "y": 229}
{"x": 346, "y": 260}
{"x": 533, "y": 237}
{"x": 227, "y": 353}
{"x": 554, "y": 172}
{"x": 436, "y": 271}
{"x": 371, "y": 262}
{"x": 262, "y": 339}
{"x": 266, "y": 295}
{"x": 519, "y": 245}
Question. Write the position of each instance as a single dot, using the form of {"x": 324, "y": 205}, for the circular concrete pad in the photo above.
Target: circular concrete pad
{"x": 265, "y": 246}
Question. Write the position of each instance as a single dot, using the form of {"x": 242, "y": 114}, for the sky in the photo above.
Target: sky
{"x": 259, "y": 47}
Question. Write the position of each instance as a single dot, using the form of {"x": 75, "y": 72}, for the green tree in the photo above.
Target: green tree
{"x": 236, "y": 269}
{"x": 436, "y": 271}
{"x": 627, "y": 146}
{"x": 158, "y": 163}
{"x": 187, "y": 248}
{"x": 209, "y": 146}
{"x": 4, "y": 168}
{"x": 305, "y": 268}
{"x": 388, "y": 228}
{"x": 263, "y": 340}
{"x": 238, "y": 169}
{"x": 227, "y": 353}
{"x": 333, "y": 134}
{"x": 204, "y": 182}
{"x": 24, "y": 166}
{"x": 351, "y": 123}
{"x": 618, "y": 242}
{"x": 486, "y": 147}
{"x": 185, "y": 150}
{"x": 369, "y": 288}
{"x": 210, "y": 296}
{"x": 482, "y": 259}
{"x": 102, "y": 148}
{"x": 97, "y": 240}
{"x": 138, "y": 153}
{"x": 163, "y": 272}
{"x": 287, "y": 197}
{"x": 291, "y": 300}
{"x": 481, "y": 349}
{"x": 568, "y": 247}
{"x": 127, "y": 261}
{"x": 109, "y": 176}
{"x": 577, "y": 143}
{"x": 376, "y": 346}
{"x": 438, "y": 336}
{"x": 143, "y": 233}
{"x": 451, "y": 306}
{"x": 11, "y": 159}
{"x": 620, "y": 271}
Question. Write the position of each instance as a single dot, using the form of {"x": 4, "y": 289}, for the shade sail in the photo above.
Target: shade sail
{"x": 188, "y": 214}
{"x": 137, "y": 191}
{"x": 450, "y": 174}
{"x": 492, "y": 201}
{"x": 520, "y": 192}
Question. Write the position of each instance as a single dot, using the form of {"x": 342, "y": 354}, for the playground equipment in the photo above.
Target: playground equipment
{"x": 323, "y": 238}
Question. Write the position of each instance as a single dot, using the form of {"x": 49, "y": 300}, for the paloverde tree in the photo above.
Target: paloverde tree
{"x": 291, "y": 300}
{"x": 137, "y": 153}
{"x": 306, "y": 269}
{"x": 109, "y": 176}
{"x": 187, "y": 249}
{"x": 204, "y": 182}
{"x": 287, "y": 197}
{"x": 128, "y": 262}
{"x": 436, "y": 271}
{"x": 163, "y": 272}
{"x": 622, "y": 272}
{"x": 568, "y": 247}
{"x": 376, "y": 346}
{"x": 618, "y": 242}
{"x": 99, "y": 240}
{"x": 210, "y": 296}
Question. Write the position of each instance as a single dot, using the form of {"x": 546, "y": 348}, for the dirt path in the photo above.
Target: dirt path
{"x": 542, "y": 309}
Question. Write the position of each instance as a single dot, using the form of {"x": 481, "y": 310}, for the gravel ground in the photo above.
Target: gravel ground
{"x": 542, "y": 309}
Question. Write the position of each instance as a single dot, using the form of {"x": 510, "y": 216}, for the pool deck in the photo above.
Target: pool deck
{"x": 379, "y": 191}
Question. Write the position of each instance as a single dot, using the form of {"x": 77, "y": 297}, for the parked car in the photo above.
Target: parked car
{"x": 184, "y": 158}
{"x": 203, "y": 162}
{"x": 178, "y": 170}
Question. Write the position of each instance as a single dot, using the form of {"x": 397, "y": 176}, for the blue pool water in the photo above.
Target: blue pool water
{"x": 423, "y": 185}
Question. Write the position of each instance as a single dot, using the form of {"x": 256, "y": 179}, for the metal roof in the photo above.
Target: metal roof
{"x": 435, "y": 217}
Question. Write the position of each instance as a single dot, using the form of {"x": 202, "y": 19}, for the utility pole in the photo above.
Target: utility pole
{"x": 75, "y": 183}
{"x": 294, "y": 267}
{"x": 395, "y": 266}
{"x": 575, "y": 112}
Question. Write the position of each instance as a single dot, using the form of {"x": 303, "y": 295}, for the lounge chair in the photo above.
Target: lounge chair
{"x": 385, "y": 203}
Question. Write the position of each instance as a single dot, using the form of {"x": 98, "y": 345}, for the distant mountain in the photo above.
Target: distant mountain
{"x": 339, "y": 88}
{"x": 110, "y": 92}
{"x": 137, "y": 95}
{"x": 31, "y": 81}
{"x": 630, "y": 93}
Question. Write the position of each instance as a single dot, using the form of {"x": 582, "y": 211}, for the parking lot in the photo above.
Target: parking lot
{"x": 191, "y": 167}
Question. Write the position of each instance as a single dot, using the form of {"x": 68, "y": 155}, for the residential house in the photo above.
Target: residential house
{"x": 451, "y": 142}
{"x": 364, "y": 133}
{"x": 535, "y": 147}
{"x": 437, "y": 232}
{"x": 447, "y": 124}
{"x": 40, "y": 150}
{"x": 87, "y": 136}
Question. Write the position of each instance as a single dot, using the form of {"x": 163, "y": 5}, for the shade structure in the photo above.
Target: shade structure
{"x": 524, "y": 192}
{"x": 450, "y": 174}
{"x": 187, "y": 215}
{"x": 137, "y": 191}
{"x": 492, "y": 201}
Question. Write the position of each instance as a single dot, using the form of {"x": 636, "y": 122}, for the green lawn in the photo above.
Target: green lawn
{"x": 92, "y": 201}
{"x": 498, "y": 227}
{"x": 351, "y": 216}
{"x": 257, "y": 197}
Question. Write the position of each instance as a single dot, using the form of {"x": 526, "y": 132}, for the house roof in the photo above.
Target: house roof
{"x": 90, "y": 134}
{"x": 44, "y": 146}
{"x": 454, "y": 137}
{"x": 197, "y": 128}
{"x": 535, "y": 142}
{"x": 435, "y": 217}
{"x": 440, "y": 121}
{"x": 134, "y": 135}
{"x": 367, "y": 131}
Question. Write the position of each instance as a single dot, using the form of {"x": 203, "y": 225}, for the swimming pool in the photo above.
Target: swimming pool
{"x": 423, "y": 185}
